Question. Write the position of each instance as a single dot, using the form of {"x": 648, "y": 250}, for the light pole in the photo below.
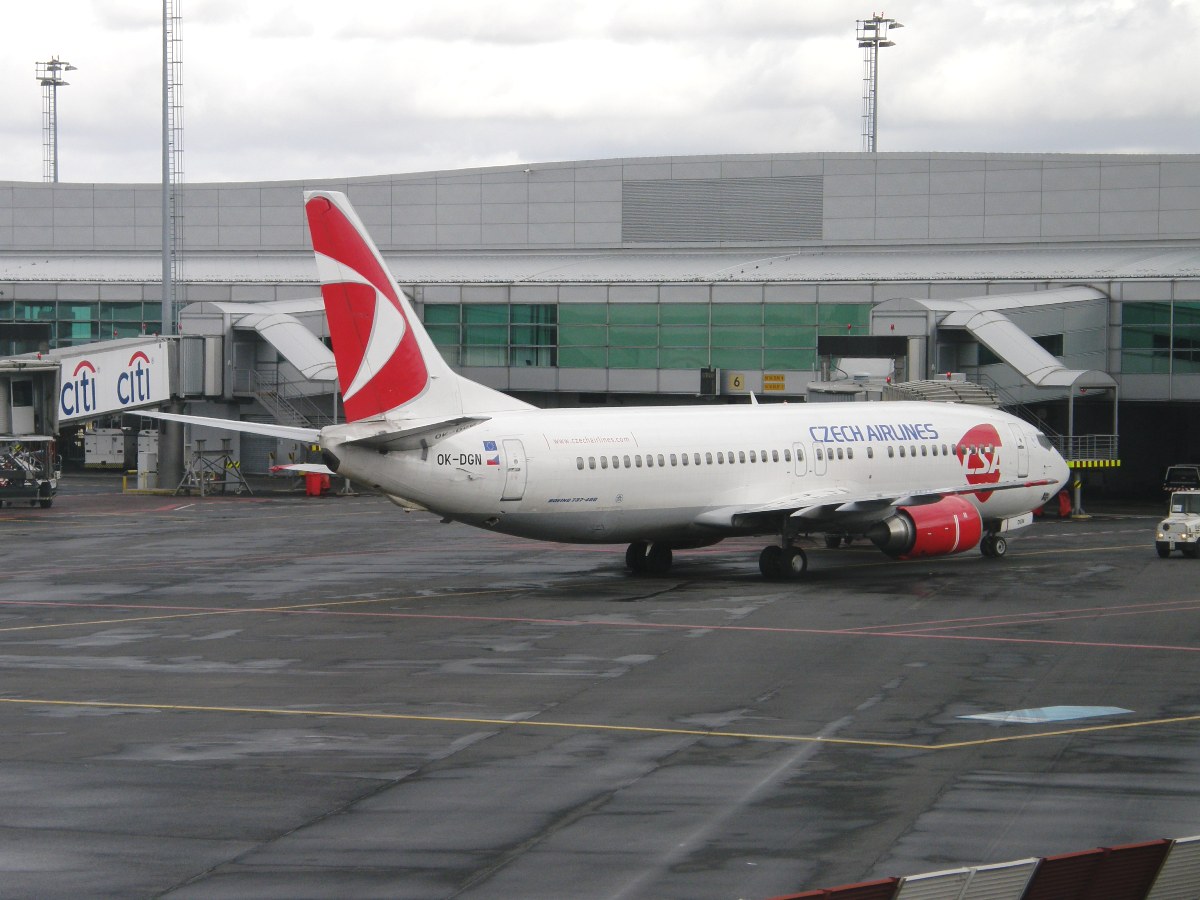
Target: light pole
{"x": 49, "y": 76}
{"x": 872, "y": 34}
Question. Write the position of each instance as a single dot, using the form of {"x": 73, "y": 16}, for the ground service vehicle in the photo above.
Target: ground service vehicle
{"x": 29, "y": 471}
{"x": 1182, "y": 477}
{"x": 1180, "y": 530}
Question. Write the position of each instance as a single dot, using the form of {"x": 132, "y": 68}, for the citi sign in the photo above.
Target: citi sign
{"x": 95, "y": 387}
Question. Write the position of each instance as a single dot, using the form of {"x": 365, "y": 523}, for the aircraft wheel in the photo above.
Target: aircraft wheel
{"x": 1163, "y": 548}
{"x": 770, "y": 562}
{"x": 635, "y": 556}
{"x": 793, "y": 562}
{"x": 658, "y": 560}
{"x": 999, "y": 547}
{"x": 833, "y": 541}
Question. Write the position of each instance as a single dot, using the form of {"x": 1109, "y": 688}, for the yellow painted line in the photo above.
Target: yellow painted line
{"x": 464, "y": 720}
{"x": 599, "y": 727}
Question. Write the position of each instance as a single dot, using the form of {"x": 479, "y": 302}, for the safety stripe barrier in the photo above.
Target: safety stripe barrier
{"x": 1093, "y": 463}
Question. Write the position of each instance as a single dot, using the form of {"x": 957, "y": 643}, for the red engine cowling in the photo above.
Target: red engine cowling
{"x": 952, "y": 525}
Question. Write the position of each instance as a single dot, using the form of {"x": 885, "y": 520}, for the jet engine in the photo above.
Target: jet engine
{"x": 952, "y": 525}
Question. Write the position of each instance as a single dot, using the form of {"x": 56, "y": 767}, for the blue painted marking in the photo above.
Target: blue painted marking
{"x": 1048, "y": 714}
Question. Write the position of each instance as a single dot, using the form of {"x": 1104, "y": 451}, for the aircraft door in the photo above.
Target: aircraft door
{"x": 801, "y": 459}
{"x": 514, "y": 472}
{"x": 1022, "y": 448}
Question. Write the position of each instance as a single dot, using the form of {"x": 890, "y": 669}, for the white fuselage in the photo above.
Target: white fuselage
{"x": 617, "y": 475}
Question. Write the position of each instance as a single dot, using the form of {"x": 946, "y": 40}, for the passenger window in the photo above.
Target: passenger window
{"x": 685, "y": 458}
{"x": 591, "y": 462}
{"x": 945, "y": 452}
{"x": 870, "y": 453}
{"x": 820, "y": 453}
{"x": 935, "y": 449}
{"x": 696, "y": 458}
{"x": 849, "y": 453}
{"x": 924, "y": 450}
{"x": 774, "y": 456}
{"x": 649, "y": 460}
{"x": 753, "y": 457}
{"x": 839, "y": 451}
{"x": 902, "y": 452}
{"x": 627, "y": 465}
{"x": 637, "y": 460}
{"x": 579, "y": 463}
{"x": 661, "y": 461}
{"x": 741, "y": 456}
{"x": 708, "y": 458}
{"x": 604, "y": 462}
{"x": 616, "y": 462}
{"x": 720, "y": 458}
{"x": 787, "y": 455}
{"x": 674, "y": 460}
{"x": 891, "y": 452}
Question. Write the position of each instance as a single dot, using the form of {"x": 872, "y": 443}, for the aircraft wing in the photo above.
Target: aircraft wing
{"x": 304, "y": 469}
{"x": 832, "y": 507}
{"x": 286, "y": 432}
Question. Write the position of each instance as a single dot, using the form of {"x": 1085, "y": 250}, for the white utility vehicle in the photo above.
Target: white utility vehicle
{"x": 1180, "y": 530}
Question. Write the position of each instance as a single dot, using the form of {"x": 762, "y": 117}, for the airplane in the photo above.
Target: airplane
{"x": 917, "y": 479}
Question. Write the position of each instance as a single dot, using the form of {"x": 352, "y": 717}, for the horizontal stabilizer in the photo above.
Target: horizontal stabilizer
{"x": 284, "y": 432}
{"x": 388, "y": 438}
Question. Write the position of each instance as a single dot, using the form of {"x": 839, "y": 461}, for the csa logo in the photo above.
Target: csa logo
{"x": 78, "y": 396}
{"x": 979, "y": 454}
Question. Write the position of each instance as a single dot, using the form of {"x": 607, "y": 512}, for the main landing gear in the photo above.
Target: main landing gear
{"x": 648, "y": 558}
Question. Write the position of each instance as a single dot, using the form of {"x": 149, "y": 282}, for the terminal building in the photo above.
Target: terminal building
{"x": 1063, "y": 287}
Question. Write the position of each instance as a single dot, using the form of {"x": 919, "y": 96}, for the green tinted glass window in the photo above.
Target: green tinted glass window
{"x": 737, "y": 336}
{"x": 443, "y": 335}
{"x": 1187, "y": 313}
{"x": 790, "y": 313}
{"x": 683, "y": 357}
{"x": 632, "y": 336}
{"x": 1146, "y": 313}
{"x": 736, "y": 359}
{"x": 737, "y": 314}
{"x": 485, "y": 314}
{"x": 121, "y": 312}
{"x": 790, "y": 336}
{"x": 683, "y": 336}
{"x": 534, "y": 313}
{"x": 858, "y": 314}
{"x": 442, "y": 314}
{"x": 1142, "y": 362}
{"x": 540, "y": 335}
{"x": 583, "y": 314}
{"x": 632, "y": 358}
{"x": 582, "y": 336}
{"x": 683, "y": 314}
{"x": 633, "y": 313}
{"x": 582, "y": 357}
{"x": 477, "y": 335}
{"x": 35, "y": 310}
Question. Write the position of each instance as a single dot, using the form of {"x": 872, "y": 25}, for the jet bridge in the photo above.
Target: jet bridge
{"x": 1027, "y": 348}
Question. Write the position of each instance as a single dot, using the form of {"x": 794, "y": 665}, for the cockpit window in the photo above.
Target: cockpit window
{"x": 1044, "y": 441}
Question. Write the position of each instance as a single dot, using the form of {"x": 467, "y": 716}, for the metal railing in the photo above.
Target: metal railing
{"x": 1086, "y": 446}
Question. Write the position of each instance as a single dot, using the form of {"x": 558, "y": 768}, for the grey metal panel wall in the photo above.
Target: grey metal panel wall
{"x": 1179, "y": 877}
{"x": 732, "y": 210}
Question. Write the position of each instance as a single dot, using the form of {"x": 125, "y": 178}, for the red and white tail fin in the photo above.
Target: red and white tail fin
{"x": 381, "y": 362}
{"x": 386, "y": 361}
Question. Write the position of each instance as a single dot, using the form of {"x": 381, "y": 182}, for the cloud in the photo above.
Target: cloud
{"x": 306, "y": 89}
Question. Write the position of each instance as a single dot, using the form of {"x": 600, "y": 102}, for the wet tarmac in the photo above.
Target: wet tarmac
{"x": 282, "y": 696}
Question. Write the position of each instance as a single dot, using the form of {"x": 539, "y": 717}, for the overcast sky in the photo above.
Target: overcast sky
{"x": 289, "y": 89}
